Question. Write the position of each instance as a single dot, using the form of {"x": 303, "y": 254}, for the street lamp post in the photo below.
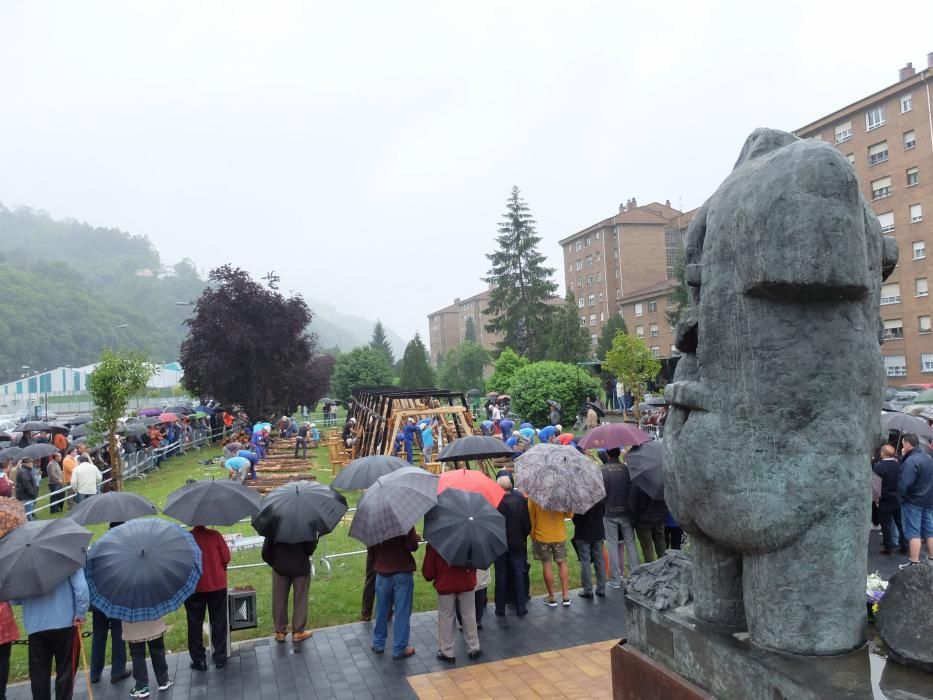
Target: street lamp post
{"x": 113, "y": 333}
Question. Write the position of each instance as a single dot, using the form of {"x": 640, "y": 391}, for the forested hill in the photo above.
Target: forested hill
{"x": 65, "y": 286}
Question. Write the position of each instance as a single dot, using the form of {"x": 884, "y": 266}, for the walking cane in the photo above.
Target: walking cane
{"x": 87, "y": 672}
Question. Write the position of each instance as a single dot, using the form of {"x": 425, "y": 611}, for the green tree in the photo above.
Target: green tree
{"x": 381, "y": 343}
{"x": 416, "y": 372}
{"x": 614, "y": 324}
{"x": 679, "y": 298}
{"x": 469, "y": 330}
{"x": 359, "y": 367}
{"x": 507, "y": 364}
{"x": 533, "y": 385}
{"x": 462, "y": 368}
{"x": 118, "y": 377}
{"x": 567, "y": 341}
{"x": 521, "y": 284}
{"x": 632, "y": 362}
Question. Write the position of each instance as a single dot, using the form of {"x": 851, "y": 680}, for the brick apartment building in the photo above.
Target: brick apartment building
{"x": 888, "y": 138}
{"x": 622, "y": 258}
{"x": 447, "y": 326}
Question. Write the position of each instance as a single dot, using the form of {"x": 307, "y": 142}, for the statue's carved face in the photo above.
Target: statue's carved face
{"x": 780, "y": 340}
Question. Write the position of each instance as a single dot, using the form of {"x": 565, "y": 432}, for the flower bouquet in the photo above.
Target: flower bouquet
{"x": 875, "y": 587}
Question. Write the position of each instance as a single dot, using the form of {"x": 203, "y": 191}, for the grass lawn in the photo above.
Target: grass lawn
{"x": 335, "y": 595}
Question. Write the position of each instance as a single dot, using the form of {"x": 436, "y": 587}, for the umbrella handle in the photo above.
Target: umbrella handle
{"x": 87, "y": 671}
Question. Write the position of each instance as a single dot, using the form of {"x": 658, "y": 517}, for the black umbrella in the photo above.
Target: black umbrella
{"x": 465, "y": 529}
{"x": 596, "y": 407}
{"x": 11, "y": 453}
{"x": 132, "y": 429}
{"x": 553, "y": 404}
{"x": 81, "y": 430}
{"x": 645, "y": 464}
{"x": 32, "y": 426}
{"x": 112, "y": 507}
{"x": 79, "y": 420}
{"x": 39, "y": 450}
{"x": 301, "y": 511}
{"x": 362, "y": 473}
{"x": 146, "y": 421}
{"x": 222, "y": 502}
{"x": 58, "y": 428}
{"x": 906, "y": 424}
{"x": 185, "y": 410}
{"x": 474, "y": 447}
{"x": 39, "y": 555}
{"x": 474, "y": 392}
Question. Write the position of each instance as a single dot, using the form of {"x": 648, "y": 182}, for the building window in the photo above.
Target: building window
{"x": 588, "y": 241}
{"x": 618, "y": 273}
{"x": 924, "y": 324}
{"x": 597, "y": 235}
{"x": 652, "y": 306}
{"x": 907, "y": 103}
{"x": 913, "y": 176}
{"x": 656, "y": 351}
{"x": 639, "y": 309}
{"x": 920, "y": 287}
{"x": 589, "y": 258}
{"x": 890, "y": 293}
{"x": 893, "y": 329}
{"x": 600, "y": 296}
{"x": 653, "y": 330}
{"x": 916, "y": 213}
{"x": 589, "y": 280}
{"x": 615, "y": 253}
{"x": 580, "y": 282}
{"x": 592, "y": 319}
{"x": 874, "y": 118}
{"x": 581, "y": 302}
{"x": 910, "y": 139}
{"x": 881, "y": 188}
{"x": 844, "y": 131}
{"x": 878, "y": 153}
{"x": 618, "y": 294}
{"x": 674, "y": 351}
{"x": 592, "y": 299}
{"x": 895, "y": 365}
{"x": 599, "y": 256}
{"x": 851, "y": 158}
{"x": 582, "y": 321}
{"x": 578, "y": 246}
{"x": 639, "y": 331}
{"x": 926, "y": 362}
{"x": 568, "y": 249}
{"x": 920, "y": 250}
{"x": 594, "y": 339}
{"x": 602, "y": 316}
{"x": 887, "y": 221}
{"x": 579, "y": 264}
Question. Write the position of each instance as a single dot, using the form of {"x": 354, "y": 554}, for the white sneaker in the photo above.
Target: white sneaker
{"x": 165, "y": 686}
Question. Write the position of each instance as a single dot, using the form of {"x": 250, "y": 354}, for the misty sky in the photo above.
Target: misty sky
{"x": 364, "y": 150}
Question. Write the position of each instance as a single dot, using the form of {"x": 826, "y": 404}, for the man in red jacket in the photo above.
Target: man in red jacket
{"x": 453, "y": 584}
{"x": 210, "y": 595}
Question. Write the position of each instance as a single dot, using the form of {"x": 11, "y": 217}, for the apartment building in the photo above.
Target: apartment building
{"x": 888, "y": 138}
{"x": 626, "y": 253}
{"x": 447, "y": 326}
{"x": 645, "y": 313}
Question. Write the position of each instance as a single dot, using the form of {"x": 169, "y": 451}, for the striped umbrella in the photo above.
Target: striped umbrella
{"x": 143, "y": 570}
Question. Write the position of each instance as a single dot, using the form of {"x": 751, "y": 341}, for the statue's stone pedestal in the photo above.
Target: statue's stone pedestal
{"x": 673, "y": 655}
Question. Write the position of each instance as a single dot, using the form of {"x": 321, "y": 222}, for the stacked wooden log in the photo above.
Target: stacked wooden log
{"x": 281, "y": 467}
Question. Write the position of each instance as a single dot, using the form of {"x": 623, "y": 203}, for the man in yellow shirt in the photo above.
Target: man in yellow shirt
{"x": 549, "y": 543}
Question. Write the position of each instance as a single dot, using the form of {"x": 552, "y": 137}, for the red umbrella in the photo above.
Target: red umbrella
{"x": 168, "y": 418}
{"x": 613, "y": 435}
{"x": 475, "y": 481}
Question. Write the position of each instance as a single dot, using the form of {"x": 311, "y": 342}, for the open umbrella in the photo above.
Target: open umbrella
{"x": 469, "y": 480}
{"x": 906, "y": 424}
{"x": 180, "y": 410}
{"x": 300, "y": 511}
{"x": 132, "y": 429}
{"x": 143, "y": 569}
{"x": 474, "y": 392}
{"x": 924, "y": 412}
{"x": 79, "y": 420}
{"x": 58, "y": 428}
{"x": 553, "y": 404}
{"x": 503, "y": 397}
{"x": 645, "y": 465}
{"x": 11, "y": 453}
{"x": 331, "y": 402}
{"x": 149, "y": 412}
{"x": 37, "y": 556}
{"x": 393, "y": 504}
{"x": 112, "y": 507}
{"x": 559, "y": 478}
{"x": 147, "y": 421}
{"x": 81, "y": 430}
{"x": 39, "y": 450}
{"x": 474, "y": 447}
{"x": 596, "y": 407}
{"x": 5, "y": 436}
{"x": 362, "y": 473}
{"x": 613, "y": 435}
{"x": 465, "y": 530}
{"x": 32, "y": 426}
{"x": 221, "y": 502}
{"x": 12, "y": 515}
{"x": 205, "y": 409}
{"x": 168, "y": 417}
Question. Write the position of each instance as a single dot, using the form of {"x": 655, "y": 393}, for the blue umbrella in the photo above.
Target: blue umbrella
{"x": 143, "y": 570}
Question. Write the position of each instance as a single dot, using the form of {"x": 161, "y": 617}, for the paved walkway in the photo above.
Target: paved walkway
{"x": 337, "y": 662}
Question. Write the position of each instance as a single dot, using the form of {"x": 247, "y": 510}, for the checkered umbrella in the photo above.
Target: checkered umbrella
{"x": 559, "y": 478}
{"x": 393, "y": 504}
{"x": 143, "y": 569}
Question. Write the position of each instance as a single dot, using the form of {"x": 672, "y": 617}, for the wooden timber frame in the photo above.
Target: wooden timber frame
{"x": 380, "y": 413}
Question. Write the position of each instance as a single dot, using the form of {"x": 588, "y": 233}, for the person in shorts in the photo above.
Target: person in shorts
{"x": 549, "y": 544}
{"x": 915, "y": 490}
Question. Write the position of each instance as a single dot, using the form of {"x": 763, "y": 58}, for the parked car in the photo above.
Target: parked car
{"x": 903, "y": 399}
{"x": 890, "y": 392}
{"x": 915, "y": 387}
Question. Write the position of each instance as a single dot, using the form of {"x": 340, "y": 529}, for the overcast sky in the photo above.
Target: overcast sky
{"x": 364, "y": 150}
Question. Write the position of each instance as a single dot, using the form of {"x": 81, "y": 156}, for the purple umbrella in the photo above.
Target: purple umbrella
{"x": 613, "y": 435}
{"x": 150, "y": 412}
